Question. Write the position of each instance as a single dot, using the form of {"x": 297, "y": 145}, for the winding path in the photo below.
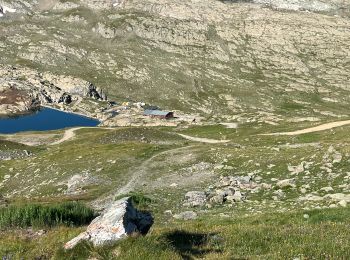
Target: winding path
{"x": 141, "y": 170}
{"x": 70, "y": 134}
{"x": 314, "y": 129}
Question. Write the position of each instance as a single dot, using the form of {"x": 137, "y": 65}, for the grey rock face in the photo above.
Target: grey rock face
{"x": 118, "y": 221}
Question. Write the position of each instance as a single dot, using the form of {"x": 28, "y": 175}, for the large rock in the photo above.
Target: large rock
{"x": 118, "y": 221}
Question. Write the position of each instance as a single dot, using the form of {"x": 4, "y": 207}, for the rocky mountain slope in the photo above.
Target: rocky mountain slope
{"x": 254, "y": 166}
{"x": 229, "y": 59}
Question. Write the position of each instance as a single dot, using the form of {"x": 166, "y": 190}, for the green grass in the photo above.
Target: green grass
{"x": 139, "y": 200}
{"x": 68, "y": 213}
{"x": 324, "y": 235}
{"x": 8, "y": 145}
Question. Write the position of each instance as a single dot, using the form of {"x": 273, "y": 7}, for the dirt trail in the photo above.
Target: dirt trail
{"x": 68, "y": 134}
{"x": 314, "y": 129}
{"x": 203, "y": 140}
{"x": 138, "y": 172}
{"x": 137, "y": 175}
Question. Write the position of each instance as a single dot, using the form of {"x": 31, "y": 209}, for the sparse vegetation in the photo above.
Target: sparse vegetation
{"x": 267, "y": 236}
{"x": 223, "y": 63}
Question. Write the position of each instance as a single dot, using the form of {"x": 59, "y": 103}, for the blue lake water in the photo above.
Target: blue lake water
{"x": 43, "y": 120}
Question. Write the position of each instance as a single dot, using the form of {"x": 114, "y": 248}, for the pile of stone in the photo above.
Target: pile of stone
{"x": 229, "y": 189}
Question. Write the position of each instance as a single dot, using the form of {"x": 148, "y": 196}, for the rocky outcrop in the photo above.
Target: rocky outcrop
{"x": 5, "y": 9}
{"x": 14, "y": 101}
{"x": 32, "y": 89}
{"x": 229, "y": 189}
{"x": 118, "y": 221}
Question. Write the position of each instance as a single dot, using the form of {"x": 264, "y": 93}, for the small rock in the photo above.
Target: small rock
{"x": 337, "y": 157}
{"x": 187, "y": 215}
{"x": 168, "y": 213}
{"x": 287, "y": 183}
{"x": 217, "y": 199}
{"x": 266, "y": 186}
{"x": 238, "y": 196}
{"x": 306, "y": 216}
{"x": 327, "y": 189}
{"x": 303, "y": 190}
{"x": 258, "y": 178}
{"x": 195, "y": 198}
{"x": 342, "y": 203}
{"x": 296, "y": 169}
{"x": 279, "y": 194}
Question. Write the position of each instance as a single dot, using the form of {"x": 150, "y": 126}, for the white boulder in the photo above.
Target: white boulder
{"x": 287, "y": 183}
{"x": 118, "y": 221}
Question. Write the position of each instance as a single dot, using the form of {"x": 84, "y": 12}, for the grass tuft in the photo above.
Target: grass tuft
{"x": 68, "y": 213}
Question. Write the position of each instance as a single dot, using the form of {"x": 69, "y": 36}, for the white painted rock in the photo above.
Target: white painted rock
{"x": 118, "y": 221}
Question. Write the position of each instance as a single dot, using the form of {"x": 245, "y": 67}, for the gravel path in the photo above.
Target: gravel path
{"x": 314, "y": 129}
